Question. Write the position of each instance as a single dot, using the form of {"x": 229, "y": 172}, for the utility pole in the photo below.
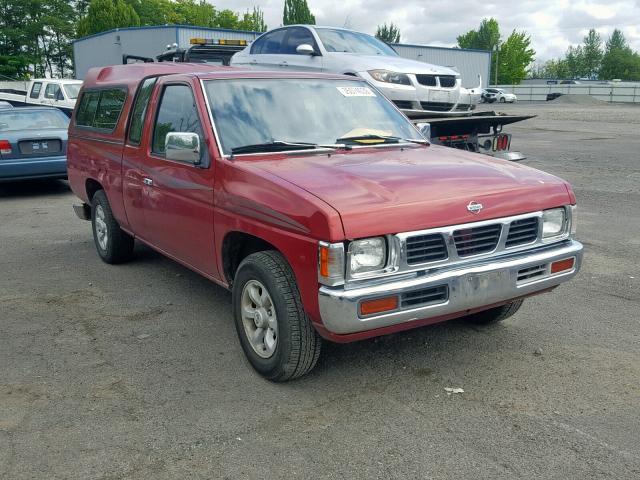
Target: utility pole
{"x": 496, "y": 47}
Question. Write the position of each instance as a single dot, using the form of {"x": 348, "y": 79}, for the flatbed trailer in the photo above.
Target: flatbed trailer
{"x": 480, "y": 132}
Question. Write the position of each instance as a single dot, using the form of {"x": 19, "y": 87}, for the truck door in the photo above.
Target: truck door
{"x": 176, "y": 198}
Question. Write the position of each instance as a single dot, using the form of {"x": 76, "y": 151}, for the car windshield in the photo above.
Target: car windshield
{"x": 316, "y": 111}
{"x": 72, "y": 90}
{"x": 19, "y": 119}
{"x": 335, "y": 40}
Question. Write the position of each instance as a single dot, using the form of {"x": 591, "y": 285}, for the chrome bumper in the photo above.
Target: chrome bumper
{"x": 473, "y": 285}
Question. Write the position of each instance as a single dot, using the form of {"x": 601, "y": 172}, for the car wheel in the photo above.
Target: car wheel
{"x": 113, "y": 244}
{"x": 502, "y": 100}
{"x": 494, "y": 315}
{"x": 274, "y": 330}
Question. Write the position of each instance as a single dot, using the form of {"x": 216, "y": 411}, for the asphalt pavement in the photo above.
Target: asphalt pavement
{"x": 135, "y": 371}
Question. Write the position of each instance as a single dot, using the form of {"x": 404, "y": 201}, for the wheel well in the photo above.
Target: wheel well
{"x": 92, "y": 187}
{"x": 236, "y": 246}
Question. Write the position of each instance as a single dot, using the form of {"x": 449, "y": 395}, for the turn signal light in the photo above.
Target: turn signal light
{"x": 562, "y": 265}
{"x": 5, "y": 147}
{"x": 378, "y": 305}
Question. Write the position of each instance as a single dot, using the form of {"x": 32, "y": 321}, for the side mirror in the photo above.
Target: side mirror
{"x": 305, "y": 49}
{"x": 425, "y": 130}
{"x": 183, "y": 147}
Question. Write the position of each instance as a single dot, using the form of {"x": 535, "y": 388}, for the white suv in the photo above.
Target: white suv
{"x": 416, "y": 88}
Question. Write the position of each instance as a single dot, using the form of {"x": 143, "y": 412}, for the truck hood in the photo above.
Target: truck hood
{"x": 361, "y": 63}
{"x": 382, "y": 191}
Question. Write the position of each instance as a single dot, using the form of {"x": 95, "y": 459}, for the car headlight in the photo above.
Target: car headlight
{"x": 367, "y": 255}
{"x": 387, "y": 76}
{"x": 553, "y": 222}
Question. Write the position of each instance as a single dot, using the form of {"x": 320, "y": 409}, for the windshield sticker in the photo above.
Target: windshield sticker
{"x": 356, "y": 91}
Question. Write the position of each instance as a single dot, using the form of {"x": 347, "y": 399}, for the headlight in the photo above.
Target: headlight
{"x": 367, "y": 255}
{"x": 553, "y": 222}
{"x": 387, "y": 76}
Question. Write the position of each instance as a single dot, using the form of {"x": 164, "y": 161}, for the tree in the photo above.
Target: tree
{"x": 388, "y": 34}
{"x": 512, "y": 58}
{"x": 253, "y": 21}
{"x": 619, "y": 61}
{"x": 515, "y": 57}
{"x": 592, "y": 54}
{"x": 105, "y": 15}
{"x": 297, "y": 12}
{"x": 487, "y": 37}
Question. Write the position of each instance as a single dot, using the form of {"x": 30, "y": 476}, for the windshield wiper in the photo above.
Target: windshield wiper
{"x": 283, "y": 146}
{"x": 371, "y": 139}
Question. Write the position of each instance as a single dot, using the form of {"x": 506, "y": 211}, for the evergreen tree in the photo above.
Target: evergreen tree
{"x": 297, "y": 12}
{"x": 592, "y": 54}
{"x": 388, "y": 34}
{"x": 104, "y": 15}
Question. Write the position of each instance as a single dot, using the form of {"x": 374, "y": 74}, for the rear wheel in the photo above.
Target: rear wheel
{"x": 275, "y": 332}
{"x": 494, "y": 315}
{"x": 113, "y": 244}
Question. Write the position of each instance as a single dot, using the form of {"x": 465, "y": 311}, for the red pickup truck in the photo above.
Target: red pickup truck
{"x": 313, "y": 199}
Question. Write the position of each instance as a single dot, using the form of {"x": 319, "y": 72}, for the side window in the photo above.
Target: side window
{"x": 87, "y": 108}
{"x": 100, "y": 109}
{"x": 140, "y": 109}
{"x": 35, "y": 90}
{"x": 52, "y": 91}
{"x": 269, "y": 43}
{"x": 177, "y": 113}
{"x": 296, "y": 37}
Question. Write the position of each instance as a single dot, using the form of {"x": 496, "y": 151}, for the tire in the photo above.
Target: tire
{"x": 286, "y": 346}
{"x": 502, "y": 100}
{"x": 113, "y": 244}
{"x": 495, "y": 315}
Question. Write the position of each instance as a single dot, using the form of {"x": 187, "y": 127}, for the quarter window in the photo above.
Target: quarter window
{"x": 177, "y": 113}
{"x": 100, "y": 109}
{"x": 35, "y": 90}
{"x": 140, "y": 110}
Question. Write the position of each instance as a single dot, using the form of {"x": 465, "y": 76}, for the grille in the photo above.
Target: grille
{"x": 477, "y": 240}
{"x": 437, "y": 106}
{"x": 522, "y": 232}
{"x": 406, "y": 104}
{"x": 530, "y": 273}
{"x": 447, "y": 81}
{"x": 427, "y": 80}
{"x": 426, "y": 248}
{"x": 424, "y": 296}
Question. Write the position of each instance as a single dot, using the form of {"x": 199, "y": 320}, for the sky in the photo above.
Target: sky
{"x": 552, "y": 24}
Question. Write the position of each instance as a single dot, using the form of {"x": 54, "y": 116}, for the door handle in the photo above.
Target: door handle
{"x": 147, "y": 181}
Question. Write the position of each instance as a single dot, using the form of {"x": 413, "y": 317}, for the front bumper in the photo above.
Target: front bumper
{"x": 471, "y": 286}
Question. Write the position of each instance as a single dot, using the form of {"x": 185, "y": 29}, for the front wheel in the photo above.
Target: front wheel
{"x": 274, "y": 331}
{"x": 494, "y": 315}
{"x": 502, "y": 100}
{"x": 113, "y": 244}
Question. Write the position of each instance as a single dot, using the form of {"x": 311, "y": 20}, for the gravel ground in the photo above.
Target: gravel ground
{"x": 135, "y": 371}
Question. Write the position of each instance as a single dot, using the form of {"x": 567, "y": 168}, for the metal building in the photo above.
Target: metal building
{"x": 470, "y": 63}
{"x": 107, "y": 48}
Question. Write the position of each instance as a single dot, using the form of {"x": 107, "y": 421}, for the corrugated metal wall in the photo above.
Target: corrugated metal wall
{"x": 470, "y": 63}
{"x": 107, "y": 48}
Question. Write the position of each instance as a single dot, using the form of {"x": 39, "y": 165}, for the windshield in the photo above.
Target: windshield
{"x": 18, "y": 119}
{"x": 319, "y": 111}
{"x": 72, "y": 90}
{"x": 353, "y": 42}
